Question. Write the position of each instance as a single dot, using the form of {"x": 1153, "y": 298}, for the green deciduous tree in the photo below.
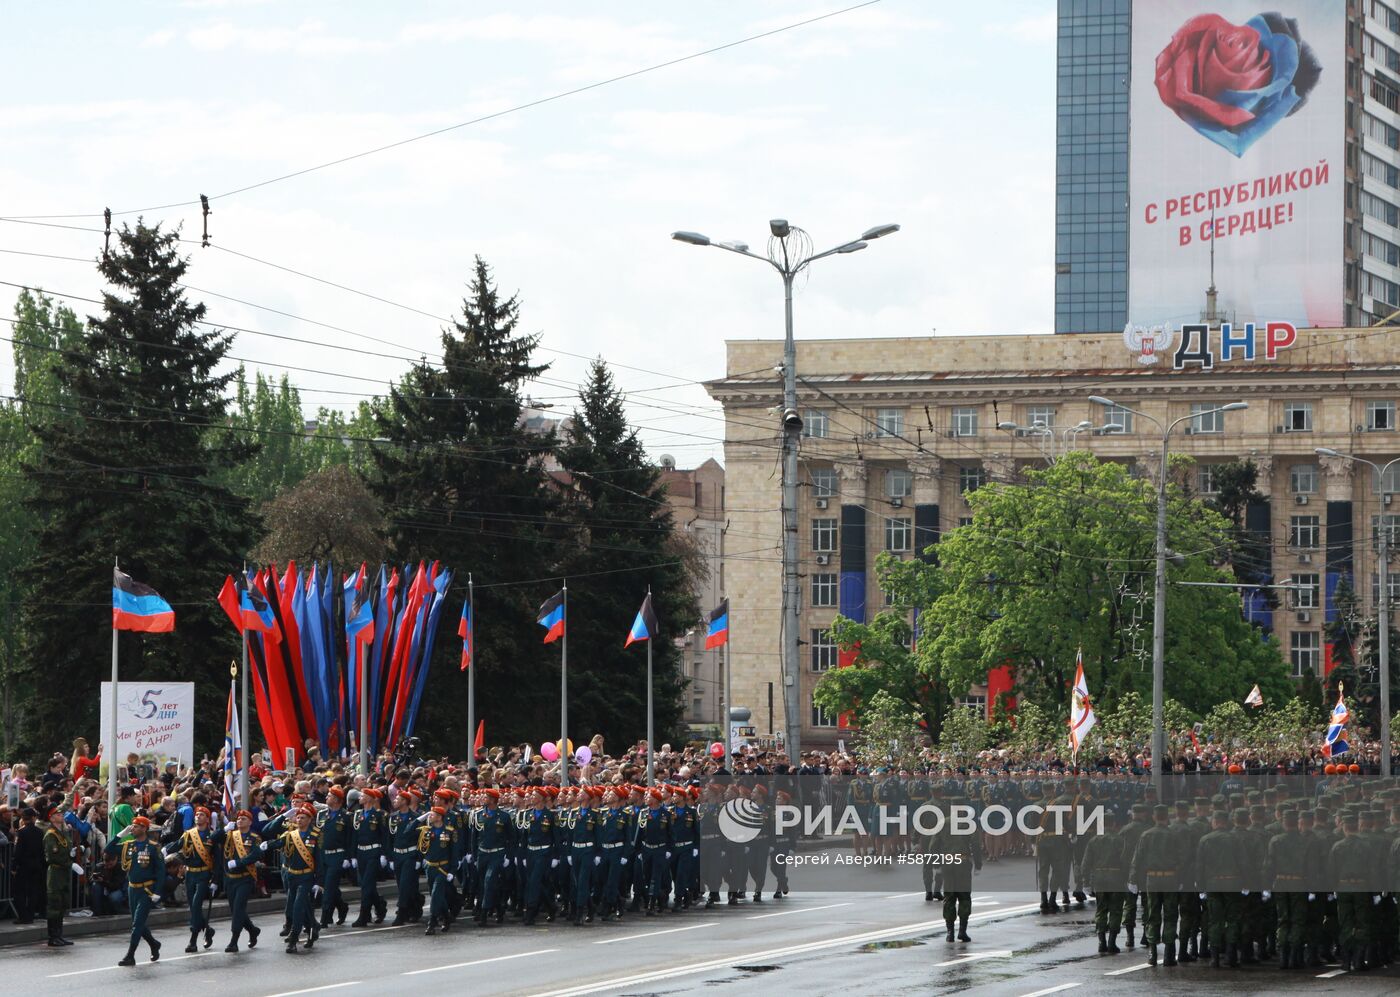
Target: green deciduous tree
{"x": 132, "y": 474}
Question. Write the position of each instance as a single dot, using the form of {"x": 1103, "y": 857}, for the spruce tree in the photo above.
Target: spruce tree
{"x": 462, "y": 481}
{"x": 627, "y": 541}
{"x": 132, "y": 474}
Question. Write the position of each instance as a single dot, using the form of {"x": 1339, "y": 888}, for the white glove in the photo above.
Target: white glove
{"x": 1132, "y": 889}
{"x": 262, "y": 847}
{"x": 597, "y": 860}
{"x": 1203, "y": 896}
{"x": 1266, "y": 894}
{"x": 449, "y": 877}
{"x": 695, "y": 853}
{"x": 383, "y": 862}
{"x": 471, "y": 860}
{"x": 354, "y": 863}
{"x": 553, "y": 863}
{"x": 624, "y": 860}
{"x": 72, "y": 853}
{"x": 155, "y": 898}
{"x": 1331, "y": 896}
{"x": 232, "y": 864}
{"x": 1244, "y": 893}
{"x": 1312, "y": 897}
{"x": 1376, "y": 900}
{"x": 668, "y": 856}
{"x": 78, "y": 871}
{"x": 567, "y": 858}
{"x": 315, "y": 891}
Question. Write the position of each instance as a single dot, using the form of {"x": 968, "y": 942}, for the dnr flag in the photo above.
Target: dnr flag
{"x": 138, "y": 607}
{"x": 644, "y": 626}
{"x": 247, "y": 608}
{"x": 718, "y": 633}
{"x": 552, "y": 617}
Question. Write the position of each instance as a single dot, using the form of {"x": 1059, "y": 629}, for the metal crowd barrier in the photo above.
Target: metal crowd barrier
{"x": 7, "y": 888}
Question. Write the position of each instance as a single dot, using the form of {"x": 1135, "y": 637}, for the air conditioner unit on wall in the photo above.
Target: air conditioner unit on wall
{"x": 1305, "y": 559}
{"x": 1303, "y": 616}
{"x": 898, "y": 503}
{"x": 822, "y": 503}
{"x": 1300, "y": 500}
{"x": 823, "y": 559}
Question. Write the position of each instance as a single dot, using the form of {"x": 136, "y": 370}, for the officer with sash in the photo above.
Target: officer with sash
{"x": 437, "y": 845}
{"x": 199, "y": 852}
{"x": 300, "y": 848}
{"x": 371, "y": 854}
{"x": 240, "y": 849}
{"x": 144, "y": 864}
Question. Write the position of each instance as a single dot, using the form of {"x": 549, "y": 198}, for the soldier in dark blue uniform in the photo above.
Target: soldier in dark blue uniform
{"x": 199, "y": 851}
{"x": 239, "y": 842}
{"x": 300, "y": 848}
{"x": 371, "y": 837}
{"x": 614, "y": 841}
{"x": 654, "y": 831}
{"x": 492, "y": 835}
{"x": 540, "y": 841}
{"x": 336, "y": 836}
{"x": 580, "y": 828}
{"x": 711, "y": 844}
{"x": 403, "y": 842}
{"x": 144, "y": 864}
{"x": 437, "y": 844}
{"x": 686, "y": 832}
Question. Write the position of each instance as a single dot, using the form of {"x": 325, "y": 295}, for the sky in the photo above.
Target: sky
{"x": 936, "y": 116}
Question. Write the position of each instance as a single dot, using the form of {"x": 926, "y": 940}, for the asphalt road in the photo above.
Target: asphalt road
{"x": 835, "y": 943}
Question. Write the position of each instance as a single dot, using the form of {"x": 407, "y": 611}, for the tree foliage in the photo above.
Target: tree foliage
{"x": 889, "y": 733}
{"x": 328, "y": 515}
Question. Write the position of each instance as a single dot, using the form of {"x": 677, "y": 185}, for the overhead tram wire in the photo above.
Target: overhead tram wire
{"x": 477, "y": 120}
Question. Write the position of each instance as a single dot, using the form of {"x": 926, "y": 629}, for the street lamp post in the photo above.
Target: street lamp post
{"x": 789, "y": 253}
{"x": 1159, "y": 608}
{"x": 1383, "y": 590}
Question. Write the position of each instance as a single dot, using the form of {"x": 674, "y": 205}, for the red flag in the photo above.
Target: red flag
{"x": 480, "y": 741}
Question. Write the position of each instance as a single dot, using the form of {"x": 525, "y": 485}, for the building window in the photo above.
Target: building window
{"x": 1043, "y": 415}
{"x": 1305, "y": 594}
{"x": 699, "y": 495}
{"x": 964, "y": 422}
{"x": 1380, "y": 416}
{"x": 1392, "y": 526}
{"x": 899, "y": 484}
{"x": 824, "y": 654}
{"x": 824, "y": 535}
{"x": 821, "y": 717}
{"x": 1387, "y": 484}
{"x": 1206, "y": 417}
{"x": 1117, "y": 415}
{"x": 970, "y": 479}
{"x": 1305, "y": 651}
{"x": 1392, "y": 590}
{"x": 971, "y": 702}
{"x": 815, "y": 424}
{"x": 889, "y": 422}
{"x": 825, "y": 483}
{"x": 1205, "y": 480}
{"x": 1302, "y": 478}
{"x": 1298, "y": 417}
{"x": 899, "y": 533}
{"x": 824, "y": 590}
{"x": 964, "y": 520}
{"x": 1303, "y": 532}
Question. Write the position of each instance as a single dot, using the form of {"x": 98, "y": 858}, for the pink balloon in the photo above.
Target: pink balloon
{"x": 583, "y": 755}
{"x": 549, "y": 751}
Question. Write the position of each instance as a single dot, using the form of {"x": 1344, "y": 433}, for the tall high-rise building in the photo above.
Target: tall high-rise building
{"x": 1093, "y": 197}
{"x": 1091, "y": 165}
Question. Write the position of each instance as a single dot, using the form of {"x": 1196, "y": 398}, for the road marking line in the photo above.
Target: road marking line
{"x": 901, "y": 896}
{"x": 103, "y": 969}
{"x": 1052, "y": 990}
{"x": 1328, "y": 976}
{"x": 649, "y": 934}
{"x": 974, "y": 957}
{"x": 479, "y": 962}
{"x": 800, "y": 910}
{"x": 769, "y": 954}
{"x": 312, "y": 990}
{"x": 1130, "y": 969}
{"x": 979, "y": 902}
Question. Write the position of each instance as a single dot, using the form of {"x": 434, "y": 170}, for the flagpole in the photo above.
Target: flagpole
{"x": 563, "y": 696}
{"x": 244, "y": 790}
{"x": 471, "y": 674}
{"x": 724, "y": 719}
{"x": 362, "y": 661}
{"x": 111, "y": 748}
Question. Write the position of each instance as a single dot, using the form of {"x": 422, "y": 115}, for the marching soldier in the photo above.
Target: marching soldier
{"x": 1219, "y": 871}
{"x": 581, "y": 835}
{"x": 711, "y": 844}
{"x": 336, "y": 833}
{"x": 1131, "y": 832}
{"x": 60, "y": 859}
{"x": 1285, "y": 867}
{"x": 960, "y": 855}
{"x": 1106, "y": 873}
{"x": 144, "y": 864}
{"x": 654, "y": 832}
{"x": 300, "y": 848}
{"x": 240, "y": 847}
{"x": 436, "y": 843}
{"x": 614, "y": 838}
{"x": 403, "y": 840}
{"x": 1351, "y": 861}
{"x": 784, "y": 847}
{"x": 1156, "y": 868}
{"x": 199, "y": 851}
{"x": 539, "y": 838}
{"x": 1189, "y": 905}
{"x": 371, "y": 837}
{"x": 492, "y": 835}
{"x": 756, "y": 851}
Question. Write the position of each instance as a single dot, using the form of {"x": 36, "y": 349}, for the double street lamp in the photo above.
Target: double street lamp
{"x": 1159, "y": 608}
{"x": 1383, "y": 587}
{"x": 789, "y": 253}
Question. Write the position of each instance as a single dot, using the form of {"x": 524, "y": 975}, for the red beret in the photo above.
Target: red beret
{"x": 140, "y": 821}
{"x": 336, "y": 791}
{"x": 201, "y": 810}
{"x": 372, "y": 793}
{"x": 440, "y": 811}
{"x": 306, "y": 810}
{"x": 243, "y": 813}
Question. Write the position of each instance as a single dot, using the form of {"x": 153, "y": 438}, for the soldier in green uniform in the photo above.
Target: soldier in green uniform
{"x": 144, "y": 864}
{"x": 1105, "y": 870}
{"x": 1351, "y": 861}
{"x": 960, "y": 855}
{"x": 335, "y": 836}
{"x": 1156, "y": 868}
{"x": 60, "y": 862}
{"x": 1131, "y": 832}
{"x": 1219, "y": 875}
{"x": 437, "y": 844}
{"x": 1285, "y": 870}
{"x": 371, "y": 837}
{"x": 240, "y": 848}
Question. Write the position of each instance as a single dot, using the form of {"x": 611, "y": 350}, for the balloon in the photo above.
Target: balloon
{"x": 560, "y": 750}
{"x": 583, "y": 755}
{"x": 717, "y": 750}
{"x": 549, "y": 751}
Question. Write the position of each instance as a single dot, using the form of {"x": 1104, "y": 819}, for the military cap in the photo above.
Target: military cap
{"x": 1161, "y": 811}
{"x": 1140, "y": 809}
{"x": 1290, "y": 814}
{"x": 1349, "y": 820}
{"x": 1241, "y": 816}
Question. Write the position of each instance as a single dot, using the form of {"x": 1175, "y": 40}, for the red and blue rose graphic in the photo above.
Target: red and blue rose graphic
{"x": 1232, "y": 83}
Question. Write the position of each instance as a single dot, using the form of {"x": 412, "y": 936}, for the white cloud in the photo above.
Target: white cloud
{"x": 1038, "y": 28}
{"x": 309, "y": 39}
{"x": 156, "y": 39}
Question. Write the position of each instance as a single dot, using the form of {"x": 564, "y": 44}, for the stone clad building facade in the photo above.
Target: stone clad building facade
{"x": 897, "y": 431}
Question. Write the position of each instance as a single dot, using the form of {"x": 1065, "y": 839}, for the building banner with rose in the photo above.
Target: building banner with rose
{"x": 155, "y": 721}
{"x": 1237, "y": 142}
